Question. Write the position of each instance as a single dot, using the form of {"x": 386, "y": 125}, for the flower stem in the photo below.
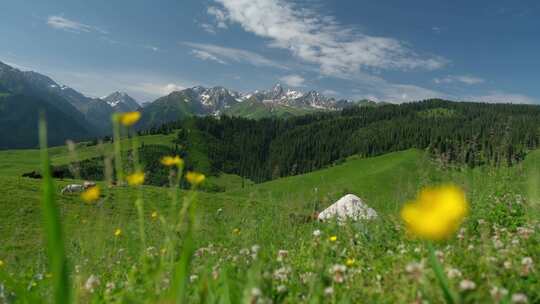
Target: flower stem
{"x": 441, "y": 277}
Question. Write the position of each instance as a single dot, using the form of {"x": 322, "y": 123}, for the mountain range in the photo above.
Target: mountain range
{"x": 76, "y": 116}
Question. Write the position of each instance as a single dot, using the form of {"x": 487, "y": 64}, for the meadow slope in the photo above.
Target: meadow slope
{"x": 272, "y": 215}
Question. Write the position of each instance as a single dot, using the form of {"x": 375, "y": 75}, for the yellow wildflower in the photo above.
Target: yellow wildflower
{"x": 129, "y": 118}
{"x": 154, "y": 215}
{"x": 91, "y": 194}
{"x": 333, "y": 238}
{"x": 135, "y": 179}
{"x": 118, "y": 232}
{"x": 350, "y": 262}
{"x": 195, "y": 178}
{"x": 236, "y": 231}
{"x": 170, "y": 161}
{"x": 437, "y": 212}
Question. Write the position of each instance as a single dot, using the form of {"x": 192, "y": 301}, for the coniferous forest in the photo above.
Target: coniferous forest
{"x": 455, "y": 133}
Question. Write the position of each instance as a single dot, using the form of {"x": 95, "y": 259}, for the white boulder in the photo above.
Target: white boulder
{"x": 350, "y": 207}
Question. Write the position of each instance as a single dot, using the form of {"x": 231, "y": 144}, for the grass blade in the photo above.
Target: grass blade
{"x": 53, "y": 228}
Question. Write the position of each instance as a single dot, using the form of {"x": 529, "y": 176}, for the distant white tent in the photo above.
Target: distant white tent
{"x": 349, "y": 207}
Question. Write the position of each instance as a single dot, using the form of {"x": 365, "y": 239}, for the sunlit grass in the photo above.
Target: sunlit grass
{"x": 253, "y": 244}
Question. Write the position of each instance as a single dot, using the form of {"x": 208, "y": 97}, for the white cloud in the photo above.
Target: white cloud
{"x": 293, "y": 80}
{"x": 466, "y": 79}
{"x": 237, "y": 55}
{"x": 204, "y": 55}
{"x": 502, "y": 97}
{"x": 208, "y": 28}
{"x": 219, "y": 15}
{"x": 61, "y": 23}
{"x": 151, "y": 47}
{"x": 156, "y": 89}
{"x": 337, "y": 50}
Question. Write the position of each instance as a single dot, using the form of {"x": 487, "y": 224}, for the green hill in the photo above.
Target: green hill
{"x": 18, "y": 127}
{"x": 173, "y": 107}
{"x": 255, "y": 110}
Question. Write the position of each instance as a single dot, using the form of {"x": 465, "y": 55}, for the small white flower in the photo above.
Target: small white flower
{"x": 519, "y": 298}
{"x": 92, "y": 283}
{"x": 466, "y": 285}
{"x": 282, "y": 274}
{"x": 193, "y": 278}
{"x": 281, "y": 288}
{"x": 282, "y": 255}
{"x": 527, "y": 261}
{"x": 453, "y": 273}
{"x": 109, "y": 287}
{"x": 498, "y": 293}
{"x": 328, "y": 291}
{"x": 317, "y": 233}
{"x": 256, "y": 292}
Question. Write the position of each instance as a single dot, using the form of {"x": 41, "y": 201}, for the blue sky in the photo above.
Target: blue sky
{"x": 384, "y": 50}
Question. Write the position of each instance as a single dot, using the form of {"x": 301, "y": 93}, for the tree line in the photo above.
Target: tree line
{"x": 461, "y": 133}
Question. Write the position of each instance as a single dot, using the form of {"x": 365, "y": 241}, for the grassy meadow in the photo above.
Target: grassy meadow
{"x": 259, "y": 244}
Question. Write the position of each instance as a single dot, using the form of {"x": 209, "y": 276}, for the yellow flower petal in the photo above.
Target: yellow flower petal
{"x": 91, "y": 194}
{"x": 170, "y": 161}
{"x": 154, "y": 215}
{"x": 118, "y": 232}
{"x": 195, "y": 178}
{"x": 135, "y": 179}
{"x": 436, "y": 214}
{"x": 333, "y": 238}
{"x": 129, "y": 118}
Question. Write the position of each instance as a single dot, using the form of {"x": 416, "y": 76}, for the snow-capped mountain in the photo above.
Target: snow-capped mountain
{"x": 121, "y": 102}
{"x": 284, "y": 96}
{"x": 216, "y": 100}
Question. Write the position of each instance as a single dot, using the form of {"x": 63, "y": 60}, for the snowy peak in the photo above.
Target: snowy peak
{"x": 121, "y": 102}
{"x": 285, "y": 96}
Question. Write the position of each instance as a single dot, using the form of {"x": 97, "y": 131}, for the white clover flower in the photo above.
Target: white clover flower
{"x": 453, "y": 273}
{"x": 92, "y": 283}
{"x": 256, "y": 292}
{"x": 498, "y": 293}
{"x": 519, "y": 298}
{"x": 466, "y": 285}
{"x": 110, "y": 287}
{"x": 282, "y": 274}
{"x": 282, "y": 255}
{"x": 255, "y": 248}
{"x": 328, "y": 291}
{"x": 317, "y": 233}
{"x": 415, "y": 270}
{"x": 527, "y": 261}
{"x": 281, "y": 288}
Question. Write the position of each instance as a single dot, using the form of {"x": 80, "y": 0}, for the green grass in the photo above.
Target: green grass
{"x": 17, "y": 162}
{"x": 272, "y": 215}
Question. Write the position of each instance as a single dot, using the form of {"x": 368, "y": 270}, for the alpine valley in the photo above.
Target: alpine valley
{"x": 72, "y": 115}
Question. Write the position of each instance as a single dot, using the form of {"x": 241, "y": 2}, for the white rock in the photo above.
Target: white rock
{"x": 349, "y": 207}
